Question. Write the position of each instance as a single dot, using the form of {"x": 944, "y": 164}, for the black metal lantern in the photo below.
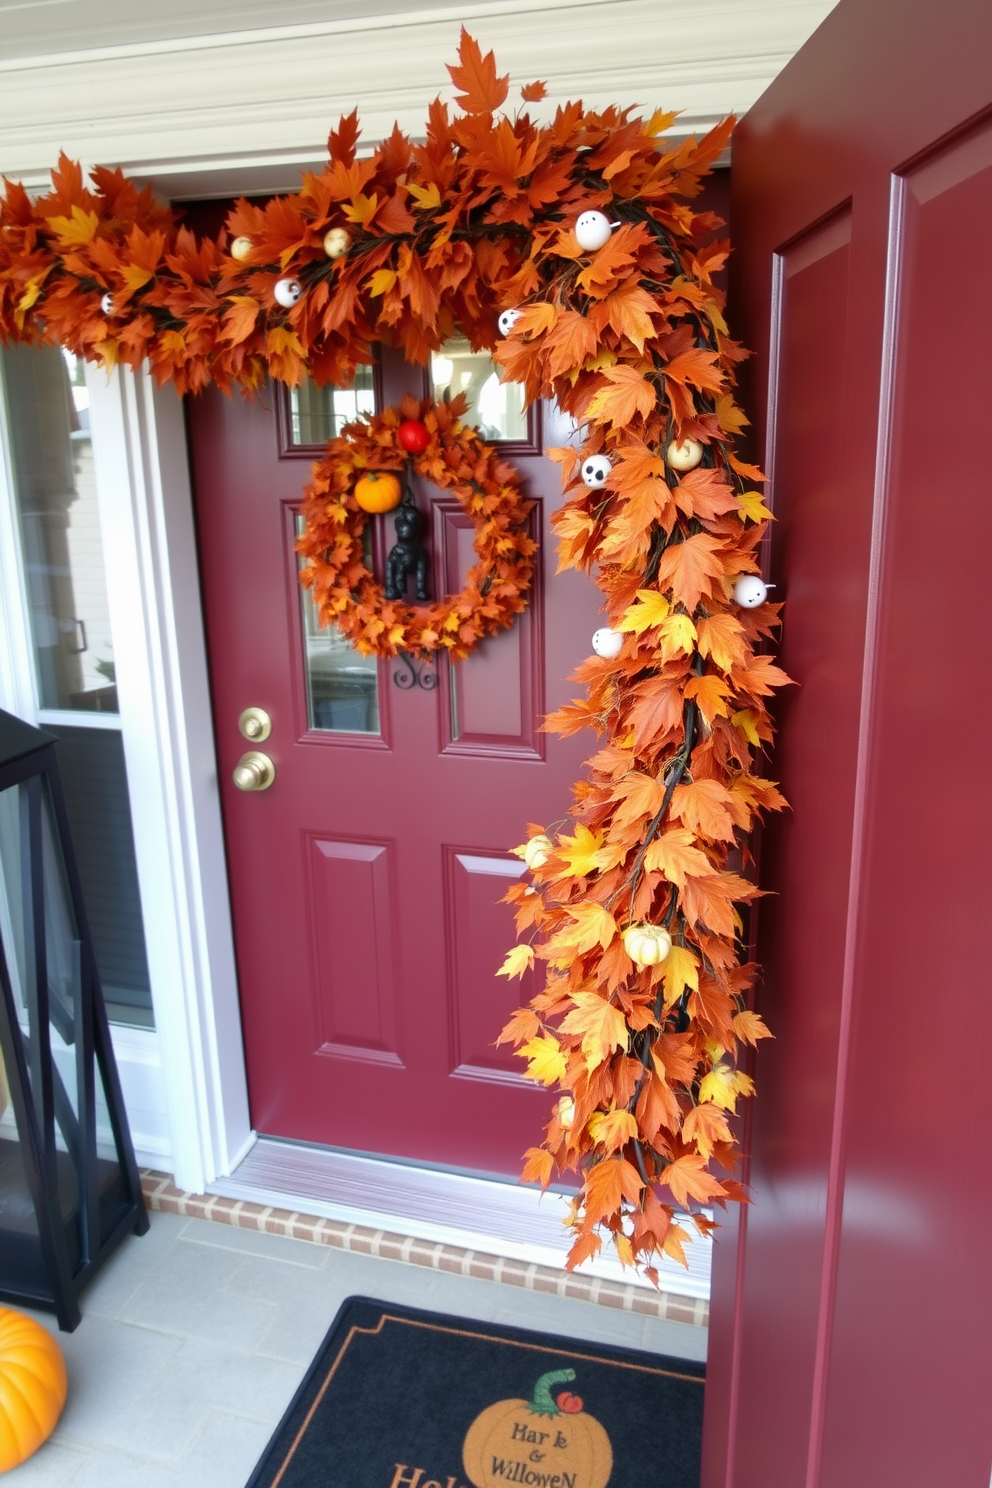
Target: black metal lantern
{"x": 69, "y": 1187}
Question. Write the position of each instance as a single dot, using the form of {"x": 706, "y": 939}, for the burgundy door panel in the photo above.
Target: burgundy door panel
{"x": 849, "y": 1329}
{"x": 365, "y": 882}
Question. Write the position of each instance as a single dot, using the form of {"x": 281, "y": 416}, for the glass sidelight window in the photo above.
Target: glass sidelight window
{"x": 55, "y": 497}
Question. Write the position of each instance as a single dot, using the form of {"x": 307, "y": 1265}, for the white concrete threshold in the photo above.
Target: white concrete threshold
{"x": 483, "y": 1214}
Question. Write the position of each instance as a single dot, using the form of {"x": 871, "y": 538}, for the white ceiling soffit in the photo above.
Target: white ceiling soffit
{"x": 182, "y": 95}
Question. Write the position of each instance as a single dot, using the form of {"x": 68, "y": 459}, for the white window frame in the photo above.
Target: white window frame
{"x": 184, "y": 1082}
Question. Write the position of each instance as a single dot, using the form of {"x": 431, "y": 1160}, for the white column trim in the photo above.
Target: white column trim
{"x": 139, "y": 447}
{"x": 18, "y": 684}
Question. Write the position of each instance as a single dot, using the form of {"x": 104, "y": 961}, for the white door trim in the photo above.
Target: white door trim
{"x": 139, "y": 446}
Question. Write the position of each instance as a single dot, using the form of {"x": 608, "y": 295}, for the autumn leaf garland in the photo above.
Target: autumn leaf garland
{"x": 403, "y": 245}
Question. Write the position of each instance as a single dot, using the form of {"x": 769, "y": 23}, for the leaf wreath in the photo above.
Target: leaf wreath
{"x": 488, "y": 489}
{"x": 403, "y": 245}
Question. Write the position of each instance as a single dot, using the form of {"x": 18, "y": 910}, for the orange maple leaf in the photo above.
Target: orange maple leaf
{"x": 626, "y": 395}
{"x": 480, "y": 91}
{"x": 687, "y": 568}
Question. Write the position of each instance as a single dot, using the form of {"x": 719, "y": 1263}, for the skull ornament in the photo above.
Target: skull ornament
{"x": 592, "y": 231}
{"x": 107, "y": 303}
{"x": 595, "y": 471}
{"x": 508, "y": 320}
{"x": 607, "y": 642}
{"x": 287, "y": 292}
{"x": 750, "y": 592}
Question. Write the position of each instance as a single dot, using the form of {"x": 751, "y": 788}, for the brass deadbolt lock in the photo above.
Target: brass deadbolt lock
{"x": 254, "y": 771}
{"x": 255, "y": 725}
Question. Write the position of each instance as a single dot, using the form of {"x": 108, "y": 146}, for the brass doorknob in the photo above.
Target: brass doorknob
{"x": 255, "y": 725}
{"x": 254, "y": 771}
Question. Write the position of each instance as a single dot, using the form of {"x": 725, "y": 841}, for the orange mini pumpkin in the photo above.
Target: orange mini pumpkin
{"x": 33, "y": 1386}
{"x": 536, "y": 1441}
{"x": 378, "y": 491}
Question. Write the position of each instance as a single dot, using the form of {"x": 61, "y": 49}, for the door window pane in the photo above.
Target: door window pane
{"x": 317, "y": 414}
{"x": 342, "y": 685}
{"x": 55, "y": 493}
{"x": 496, "y": 408}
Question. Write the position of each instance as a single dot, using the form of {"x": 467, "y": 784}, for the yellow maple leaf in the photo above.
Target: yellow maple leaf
{"x": 545, "y": 1061}
{"x": 580, "y": 851}
{"x": 723, "y": 1085}
{"x": 135, "y": 277}
{"x": 659, "y": 121}
{"x": 625, "y": 1251}
{"x": 361, "y": 208}
{"x": 382, "y": 281}
{"x": 592, "y": 925}
{"x": 79, "y": 228}
{"x": 612, "y": 1129}
{"x": 107, "y": 351}
{"x": 32, "y": 291}
{"x": 518, "y": 961}
{"x": 745, "y": 720}
{"x": 680, "y": 969}
{"x": 649, "y": 610}
{"x": 730, "y": 416}
{"x": 427, "y": 197}
{"x": 677, "y": 634}
{"x": 753, "y": 506}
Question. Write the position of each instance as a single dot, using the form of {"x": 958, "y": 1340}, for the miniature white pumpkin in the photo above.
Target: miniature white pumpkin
{"x": 607, "y": 642}
{"x": 565, "y": 1111}
{"x": 240, "y": 248}
{"x": 336, "y": 242}
{"x": 287, "y": 292}
{"x": 684, "y": 455}
{"x": 592, "y": 231}
{"x": 646, "y": 945}
{"x": 107, "y": 303}
{"x": 596, "y": 470}
{"x": 538, "y": 851}
{"x": 750, "y": 592}
{"x": 508, "y": 320}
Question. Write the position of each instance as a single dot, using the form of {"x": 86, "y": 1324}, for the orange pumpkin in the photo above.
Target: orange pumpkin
{"x": 33, "y": 1386}
{"x": 378, "y": 491}
{"x": 538, "y": 1442}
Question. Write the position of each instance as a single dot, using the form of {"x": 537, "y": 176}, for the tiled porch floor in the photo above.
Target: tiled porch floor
{"x": 194, "y": 1338}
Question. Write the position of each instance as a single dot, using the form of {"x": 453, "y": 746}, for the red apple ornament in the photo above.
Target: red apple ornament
{"x": 413, "y": 436}
{"x": 569, "y": 1403}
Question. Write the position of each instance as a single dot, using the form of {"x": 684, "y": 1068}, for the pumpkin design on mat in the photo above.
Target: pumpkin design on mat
{"x": 544, "y": 1442}
{"x": 32, "y": 1386}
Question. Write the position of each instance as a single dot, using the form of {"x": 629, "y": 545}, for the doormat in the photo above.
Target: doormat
{"x": 399, "y": 1398}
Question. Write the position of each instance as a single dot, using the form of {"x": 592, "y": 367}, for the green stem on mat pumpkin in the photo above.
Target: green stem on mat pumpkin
{"x": 543, "y": 1404}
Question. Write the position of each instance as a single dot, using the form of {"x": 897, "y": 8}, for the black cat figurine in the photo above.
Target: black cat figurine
{"x": 408, "y": 555}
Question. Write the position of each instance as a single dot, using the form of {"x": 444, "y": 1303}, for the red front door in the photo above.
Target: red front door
{"x": 365, "y": 882}
{"x": 850, "y": 1343}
